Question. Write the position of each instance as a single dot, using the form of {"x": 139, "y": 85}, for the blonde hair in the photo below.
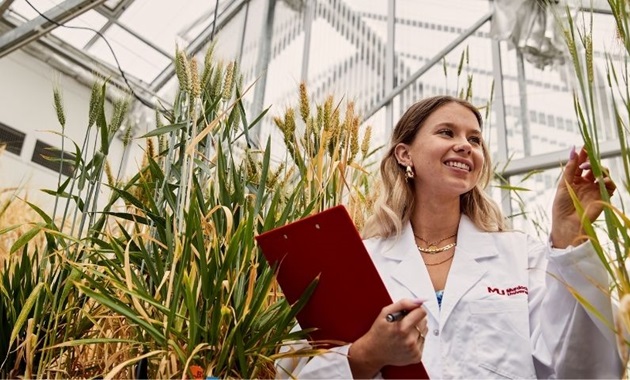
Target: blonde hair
{"x": 395, "y": 202}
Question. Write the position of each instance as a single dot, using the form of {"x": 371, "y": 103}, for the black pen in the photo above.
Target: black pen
{"x": 397, "y": 316}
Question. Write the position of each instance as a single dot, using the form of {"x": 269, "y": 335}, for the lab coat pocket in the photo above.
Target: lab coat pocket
{"x": 500, "y": 331}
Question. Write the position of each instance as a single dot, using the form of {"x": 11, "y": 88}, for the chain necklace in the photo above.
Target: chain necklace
{"x": 432, "y": 250}
{"x": 435, "y": 243}
{"x": 441, "y": 262}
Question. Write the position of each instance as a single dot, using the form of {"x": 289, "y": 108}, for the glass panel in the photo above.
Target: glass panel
{"x": 23, "y": 10}
{"x": 424, "y": 28}
{"x": 134, "y": 56}
{"x": 79, "y": 37}
{"x": 163, "y": 21}
{"x": 112, "y": 4}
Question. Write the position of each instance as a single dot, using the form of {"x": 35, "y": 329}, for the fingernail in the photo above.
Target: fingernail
{"x": 419, "y": 301}
{"x": 585, "y": 165}
{"x": 572, "y": 153}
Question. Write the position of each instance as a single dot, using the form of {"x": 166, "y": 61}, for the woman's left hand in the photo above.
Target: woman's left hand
{"x": 566, "y": 227}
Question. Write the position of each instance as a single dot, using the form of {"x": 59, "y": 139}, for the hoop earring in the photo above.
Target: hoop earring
{"x": 409, "y": 174}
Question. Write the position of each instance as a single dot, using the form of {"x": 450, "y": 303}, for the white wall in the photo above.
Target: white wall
{"x": 26, "y": 104}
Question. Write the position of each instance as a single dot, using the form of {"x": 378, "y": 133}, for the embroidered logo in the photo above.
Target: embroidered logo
{"x": 520, "y": 289}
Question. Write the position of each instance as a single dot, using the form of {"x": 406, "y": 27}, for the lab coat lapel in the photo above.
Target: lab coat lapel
{"x": 410, "y": 271}
{"x": 466, "y": 271}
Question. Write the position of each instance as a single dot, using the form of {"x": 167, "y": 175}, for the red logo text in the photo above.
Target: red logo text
{"x": 520, "y": 289}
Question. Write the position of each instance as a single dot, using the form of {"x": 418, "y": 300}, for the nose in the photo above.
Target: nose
{"x": 463, "y": 147}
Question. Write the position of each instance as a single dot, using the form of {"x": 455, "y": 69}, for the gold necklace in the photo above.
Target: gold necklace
{"x": 441, "y": 262}
{"x": 432, "y": 250}
{"x": 433, "y": 246}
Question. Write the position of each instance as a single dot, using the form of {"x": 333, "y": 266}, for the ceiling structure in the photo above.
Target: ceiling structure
{"x": 128, "y": 41}
{"x": 139, "y": 35}
{"x": 74, "y": 35}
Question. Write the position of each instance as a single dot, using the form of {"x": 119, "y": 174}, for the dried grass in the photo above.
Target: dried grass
{"x": 14, "y": 211}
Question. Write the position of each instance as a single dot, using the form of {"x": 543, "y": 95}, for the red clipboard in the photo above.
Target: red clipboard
{"x": 349, "y": 294}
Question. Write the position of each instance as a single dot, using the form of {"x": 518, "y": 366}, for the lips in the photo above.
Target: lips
{"x": 458, "y": 165}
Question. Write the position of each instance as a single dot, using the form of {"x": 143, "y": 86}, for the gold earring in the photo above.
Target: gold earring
{"x": 409, "y": 172}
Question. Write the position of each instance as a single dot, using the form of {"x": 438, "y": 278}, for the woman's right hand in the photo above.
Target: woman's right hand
{"x": 390, "y": 343}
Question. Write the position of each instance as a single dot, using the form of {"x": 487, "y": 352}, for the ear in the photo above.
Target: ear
{"x": 401, "y": 151}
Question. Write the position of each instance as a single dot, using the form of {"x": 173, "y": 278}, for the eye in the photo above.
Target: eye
{"x": 445, "y": 132}
{"x": 475, "y": 140}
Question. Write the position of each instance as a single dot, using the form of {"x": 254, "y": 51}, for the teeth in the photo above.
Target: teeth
{"x": 458, "y": 165}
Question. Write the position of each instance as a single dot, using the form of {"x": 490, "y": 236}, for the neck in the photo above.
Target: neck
{"x": 435, "y": 220}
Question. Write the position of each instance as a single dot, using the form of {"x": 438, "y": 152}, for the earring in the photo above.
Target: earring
{"x": 409, "y": 172}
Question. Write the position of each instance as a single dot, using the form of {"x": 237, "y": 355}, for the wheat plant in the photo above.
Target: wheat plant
{"x": 163, "y": 278}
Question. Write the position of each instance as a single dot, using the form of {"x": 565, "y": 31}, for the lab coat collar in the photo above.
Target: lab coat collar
{"x": 472, "y": 245}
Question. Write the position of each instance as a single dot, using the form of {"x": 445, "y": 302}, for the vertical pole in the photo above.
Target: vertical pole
{"x": 262, "y": 65}
{"x": 240, "y": 50}
{"x": 522, "y": 94}
{"x": 309, "y": 16}
{"x": 499, "y": 109}
{"x": 389, "y": 63}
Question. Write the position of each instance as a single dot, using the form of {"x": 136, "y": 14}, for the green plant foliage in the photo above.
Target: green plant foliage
{"x": 167, "y": 274}
{"x": 611, "y": 237}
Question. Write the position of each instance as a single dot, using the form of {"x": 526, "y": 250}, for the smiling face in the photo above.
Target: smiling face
{"x": 446, "y": 153}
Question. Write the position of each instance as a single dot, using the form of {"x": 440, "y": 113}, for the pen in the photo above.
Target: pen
{"x": 397, "y": 316}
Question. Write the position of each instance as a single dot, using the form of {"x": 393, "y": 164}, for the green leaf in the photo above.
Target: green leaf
{"x": 26, "y": 237}
{"x": 117, "y": 307}
{"x": 26, "y": 309}
{"x": 101, "y": 122}
{"x": 165, "y": 129}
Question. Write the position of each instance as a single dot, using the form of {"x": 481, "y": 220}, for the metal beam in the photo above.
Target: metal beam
{"x": 111, "y": 16}
{"x": 524, "y": 110}
{"x": 4, "y": 6}
{"x": 76, "y": 62}
{"x": 597, "y": 6}
{"x": 262, "y": 67}
{"x": 309, "y": 15}
{"x": 113, "y": 21}
{"x": 522, "y": 166}
{"x": 390, "y": 61}
{"x": 117, "y": 10}
{"x": 499, "y": 111}
{"x": 447, "y": 49}
{"x": 39, "y": 26}
{"x": 239, "y": 59}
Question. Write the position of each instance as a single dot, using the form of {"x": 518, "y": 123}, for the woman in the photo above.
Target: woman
{"x": 480, "y": 302}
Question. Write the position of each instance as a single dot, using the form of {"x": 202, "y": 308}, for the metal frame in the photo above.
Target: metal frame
{"x": 4, "y": 6}
{"x": 41, "y": 25}
{"x": 262, "y": 65}
{"x": 522, "y": 92}
{"x": 111, "y": 15}
{"x": 509, "y": 167}
{"x": 414, "y": 77}
{"x": 309, "y": 16}
{"x": 522, "y": 166}
{"x": 390, "y": 61}
{"x": 499, "y": 109}
{"x": 75, "y": 62}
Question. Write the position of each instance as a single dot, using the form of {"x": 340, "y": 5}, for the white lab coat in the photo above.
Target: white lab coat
{"x": 506, "y": 312}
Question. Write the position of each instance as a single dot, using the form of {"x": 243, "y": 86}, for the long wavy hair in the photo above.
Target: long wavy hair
{"x": 395, "y": 202}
